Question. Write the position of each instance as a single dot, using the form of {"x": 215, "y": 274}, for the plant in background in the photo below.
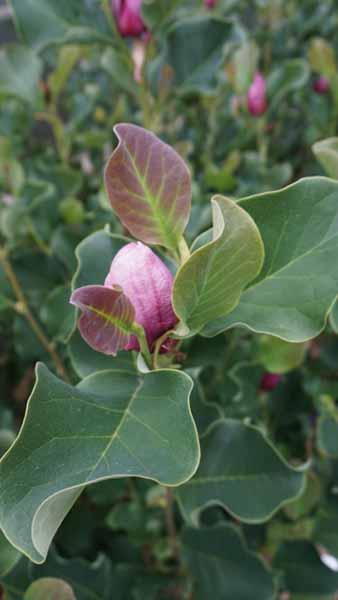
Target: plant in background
{"x": 180, "y": 436}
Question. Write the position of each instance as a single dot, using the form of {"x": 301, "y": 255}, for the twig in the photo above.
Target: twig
{"x": 170, "y": 523}
{"x": 23, "y": 308}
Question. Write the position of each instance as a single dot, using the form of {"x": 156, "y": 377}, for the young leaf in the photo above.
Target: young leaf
{"x": 279, "y": 356}
{"x": 223, "y": 567}
{"x": 299, "y": 281}
{"x": 107, "y": 320}
{"x": 112, "y": 425}
{"x": 326, "y": 152}
{"x": 149, "y": 186}
{"x": 210, "y": 282}
{"x": 241, "y": 471}
{"x": 48, "y": 587}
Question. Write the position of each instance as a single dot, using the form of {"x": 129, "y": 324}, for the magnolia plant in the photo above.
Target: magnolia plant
{"x": 267, "y": 265}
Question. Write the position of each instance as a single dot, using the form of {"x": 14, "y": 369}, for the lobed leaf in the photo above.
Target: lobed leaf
{"x": 107, "y": 318}
{"x": 223, "y": 567}
{"x": 248, "y": 477}
{"x": 111, "y": 425}
{"x": 210, "y": 282}
{"x": 149, "y": 186}
{"x": 298, "y": 284}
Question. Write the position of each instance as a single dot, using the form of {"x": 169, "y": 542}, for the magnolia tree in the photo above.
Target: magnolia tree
{"x": 267, "y": 265}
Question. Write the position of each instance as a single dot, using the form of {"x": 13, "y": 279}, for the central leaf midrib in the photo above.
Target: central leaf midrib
{"x": 153, "y": 205}
{"x": 111, "y": 319}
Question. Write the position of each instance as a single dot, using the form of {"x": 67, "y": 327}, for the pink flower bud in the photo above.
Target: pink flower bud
{"x": 147, "y": 283}
{"x": 210, "y": 3}
{"x": 321, "y": 85}
{"x": 256, "y": 98}
{"x": 128, "y": 17}
{"x": 270, "y": 381}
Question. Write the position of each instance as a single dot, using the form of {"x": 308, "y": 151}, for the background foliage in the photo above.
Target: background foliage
{"x": 265, "y": 409}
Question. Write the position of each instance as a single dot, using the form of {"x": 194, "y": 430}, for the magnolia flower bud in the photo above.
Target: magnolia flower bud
{"x": 147, "y": 283}
{"x": 256, "y": 98}
{"x": 321, "y": 85}
{"x": 128, "y": 17}
{"x": 270, "y": 381}
{"x": 210, "y": 3}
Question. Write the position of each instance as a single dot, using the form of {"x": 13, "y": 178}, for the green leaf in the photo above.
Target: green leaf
{"x": 327, "y": 435}
{"x": 325, "y": 531}
{"x": 299, "y": 280}
{"x": 149, "y": 186}
{"x": 20, "y": 72}
{"x": 57, "y": 315}
{"x": 86, "y": 361}
{"x": 326, "y": 152}
{"x": 157, "y": 12}
{"x": 305, "y": 574}
{"x": 195, "y": 52}
{"x": 333, "y": 318}
{"x": 9, "y": 556}
{"x": 45, "y": 22}
{"x": 112, "y": 425}
{"x": 241, "y": 471}
{"x": 322, "y": 57}
{"x": 210, "y": 282}
{"x": 279, "y": 356}
{"x": 53, "y": 589}
{"x": 222, "y": 566}
{"x": 245, "y": 63}
{"x": 291, "y": 75}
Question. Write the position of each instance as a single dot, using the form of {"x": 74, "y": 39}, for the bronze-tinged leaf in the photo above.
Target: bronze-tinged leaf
{"x": 149, "y": 186}
{"x": 107, "y": 317}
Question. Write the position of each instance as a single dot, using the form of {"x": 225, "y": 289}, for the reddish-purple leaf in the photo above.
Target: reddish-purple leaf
{"x": 149, "y": 186}
{"x": 107, "y": 317}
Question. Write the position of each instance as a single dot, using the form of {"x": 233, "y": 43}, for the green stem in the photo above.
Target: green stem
{"x": 142, "y": 339}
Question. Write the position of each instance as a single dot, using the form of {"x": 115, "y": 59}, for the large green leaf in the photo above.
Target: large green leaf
{"x": 195, "y": 51}
{"x": 210, "y": 282}
{"x": 20, "y": 71}
{"x": 45, "y": 22}
{"x": 222, "y": 566}
{"x": 86, "y": 361}
{"x": 9, "y": 556}
{"x": 305, "y": 575}
{"x": 326, "y": 152}
{"x": 112, "y": 425}
{"x": 299, "y": 281}
{"x": 242, "y": 471}
{"x": 149, "y": 186}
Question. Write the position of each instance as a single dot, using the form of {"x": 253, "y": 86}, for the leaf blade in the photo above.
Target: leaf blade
{"x": 149, "y": 186}
{"x": 205, "y": 285}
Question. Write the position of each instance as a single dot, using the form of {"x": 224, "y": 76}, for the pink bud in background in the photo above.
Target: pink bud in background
{"x": 210, "y": 3}
{"x": 147, "y": 283}
{"x": 321, "y": 85}
{"x": 270, "y": 381}
{"x": 128, "y": 17}
{"x": 256, "y": 98}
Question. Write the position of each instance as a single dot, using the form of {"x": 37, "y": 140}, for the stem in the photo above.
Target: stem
{"x": 22, "y": 308}
{"x": 141, "y": 336}
{"x": 170, "y": 523}
{"x": 183, "y": 249}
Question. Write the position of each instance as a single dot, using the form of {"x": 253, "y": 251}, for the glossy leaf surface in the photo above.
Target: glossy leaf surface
{"x": 299, "y": 281}
{"x": 249, "y": 478}
{"x": 111, "y": 425}
{"x": 210, "y": 282}
{"x": 149, "y": 186}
